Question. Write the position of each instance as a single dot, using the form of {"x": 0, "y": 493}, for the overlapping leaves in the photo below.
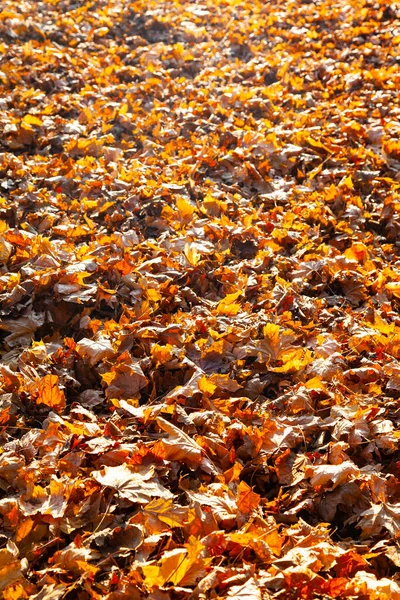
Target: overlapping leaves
{"x": 199, "y": 287}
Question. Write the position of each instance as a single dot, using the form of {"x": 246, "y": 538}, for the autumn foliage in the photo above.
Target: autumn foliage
{"x": 200, "y": 299}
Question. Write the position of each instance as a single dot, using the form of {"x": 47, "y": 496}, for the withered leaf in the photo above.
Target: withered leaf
{"x": 137, "y": 486}
{"x": 178, "y": 445}
{"x": 95, "y": 350}
{"x": 199, "y": 299}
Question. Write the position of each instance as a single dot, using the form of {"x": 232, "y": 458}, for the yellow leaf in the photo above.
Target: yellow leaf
{"x": 206, "y": 386}
{"x": 227, "y": 305}
{"x": 172, "y": 569}
{"x": 272, "y": 332}
{"x": 185, "y": 209}
{"x": 180, "y": 566}
{"x": 357, "y": 251}
{"x": 153, "y": 295}
{"x": 191, "y": 253}
{"x": 32, "y": 120}
{"x": 167, "y": 511}
{"x": 294, "y": 359}
{"x": 15, "y": 591}
{"x": 347, "y": 182}
{"x": 50, "y": 393}
{"x": 10, "y": 565}
{"x": 315, "y": 383}
{"x": 162, "y": 354}
{"x": 109, "y": 377}
{"x": 383, "y": 326}
{"x": 212, "y": 206}
{"x": 394, "y": 288}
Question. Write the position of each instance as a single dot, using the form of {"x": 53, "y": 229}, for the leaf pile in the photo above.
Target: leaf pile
{"x": 200, "y": 299}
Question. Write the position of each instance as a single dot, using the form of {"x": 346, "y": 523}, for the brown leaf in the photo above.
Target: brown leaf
{"x": 332, "y": 475}
{"x": 137, "y": 486}
{"x": 248, "y": 591}
{"x": 380, "y": 516}
{"x": 95, "y": 350}
{"x": 178, "y": 445}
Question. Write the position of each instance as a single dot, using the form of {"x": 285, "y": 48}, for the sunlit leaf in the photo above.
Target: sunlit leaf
{"x": 49, "y": 393}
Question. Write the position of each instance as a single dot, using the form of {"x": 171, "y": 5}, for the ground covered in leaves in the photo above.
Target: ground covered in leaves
{"x": 200, "y": 299}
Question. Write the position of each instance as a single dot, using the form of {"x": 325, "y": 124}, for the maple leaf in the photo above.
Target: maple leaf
{"x": 179, "y": 446}
{"x": 95, "y": 350}
{"x": 51, "y": 592}
{"x": 137, "y": 486}
{"x": 75, "y": 560}
{"x": 376, "y": 589}
{"x": 164, "y": 511}
{"x": 380, "y": 516}
{"x": 333, "y": 475}
{"x": 247, "y": 591}
{"x": 22, "y": 329}
{"x": 181, "y": 566}
{"x": 221, "y": 500}
{"x": 5, "y": 250}
{"x": 51, "y": 500}
{"x": 290, "y": 469}
{"x": 345, "y": 495}
{"x": 49, "y": 393}
{"x": 228, "y": 306}
{"x": 199, "y": 293}
{"x": 248, "y": 500}
{"x": 10, "y": 565}
{"x": 162, "y": 354}
{"x": 125, "y": 379}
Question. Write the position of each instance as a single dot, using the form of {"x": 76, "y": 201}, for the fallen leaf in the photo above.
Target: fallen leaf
{"x": 332, "y": 475}
{"x": 49, "y": 393}
{"x": 178, "y": 445}
{"x": 137, "y": 486}
{"x": 95, "y": 350}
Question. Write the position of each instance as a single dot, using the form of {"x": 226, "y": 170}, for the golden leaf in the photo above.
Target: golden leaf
{"x": 50, "y": 393}
{"x": 185, "y": 209}
{"x": 192, "y": 254}
{"x": 162, "y": 354}
{"x": 24, "y": 529}
{"x": 206, "y": 386}
{"x": 227, "y": 305}
{"x": 32, "y": 120}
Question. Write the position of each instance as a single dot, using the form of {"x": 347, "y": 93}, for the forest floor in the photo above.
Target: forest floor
{"x": 200, "y": 300}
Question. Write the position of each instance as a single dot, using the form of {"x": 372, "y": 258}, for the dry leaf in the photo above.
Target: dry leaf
{"x": 135, "y": 486}
{"x": 95, "y": 350}
{"x": 49, "y": 393}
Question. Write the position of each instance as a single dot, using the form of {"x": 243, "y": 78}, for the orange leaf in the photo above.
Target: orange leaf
{"x": 24, "y": 529}
{"x": 50, "y": 393}
{"x": 162, "y": 354}
{"x": 247, "y": 500}
{"x": 206, "y": 386}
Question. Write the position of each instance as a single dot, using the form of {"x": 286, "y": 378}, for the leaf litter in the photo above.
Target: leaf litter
{"x": 199, "y": 288}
